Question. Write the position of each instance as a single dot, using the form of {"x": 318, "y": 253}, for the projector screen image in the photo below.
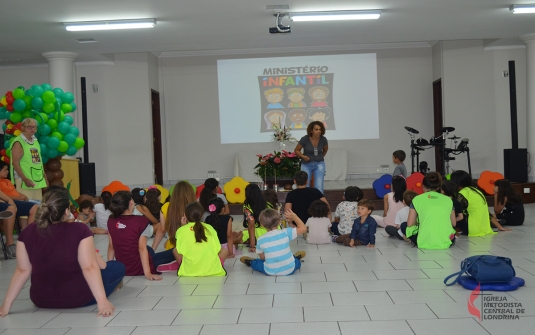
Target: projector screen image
{"x": 258, "y": 94}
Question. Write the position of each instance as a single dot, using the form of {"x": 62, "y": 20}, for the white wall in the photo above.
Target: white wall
{"x": 476, "y": 100}
{"x": 192, "y": 115}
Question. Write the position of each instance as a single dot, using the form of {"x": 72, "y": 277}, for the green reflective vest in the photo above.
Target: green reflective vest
{"x": 30, "y": 163}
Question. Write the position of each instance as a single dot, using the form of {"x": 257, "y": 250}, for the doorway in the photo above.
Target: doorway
{"x": 156, "y": 137}
{"x": 438, "y": 122}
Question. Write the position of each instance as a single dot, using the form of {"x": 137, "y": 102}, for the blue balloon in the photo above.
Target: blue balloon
{"x": 36, "y": 91}
{"x": 46, "y": 87}
{"x": 68, "y": 119}
{"x": 7, "y": 144}
{"x": 58, "y": 92}
{"x": 68, "y": 97}
{"x": 53, "y": 143}
{"x": 46, "y": 130}
{"x": 45, "y": 159}
{"x": 73, "y": 104}
{"x": 53, "y": 153}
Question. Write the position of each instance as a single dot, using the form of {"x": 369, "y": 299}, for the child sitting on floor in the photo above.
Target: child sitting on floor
{"x": 222, "y": 224}
{"x": 401, "y": 216}
{"x": 273, "y": 247}
{"x": 346, "y": 211}
{"x": 86, "y": 215}
{"x": 393, "y": 201}
{"x": 449, "y": 189}
{"x": 318, "y": 224}
{"x": 364, "y": 227}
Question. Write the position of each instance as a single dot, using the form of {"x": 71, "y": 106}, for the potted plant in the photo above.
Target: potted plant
{"x": 281, "y": 165}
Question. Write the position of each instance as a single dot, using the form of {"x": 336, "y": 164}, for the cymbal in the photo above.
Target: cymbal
{"x": 454, "y": 137}
{"x": 412, "y": 130}
{"x": 447, "y": 129}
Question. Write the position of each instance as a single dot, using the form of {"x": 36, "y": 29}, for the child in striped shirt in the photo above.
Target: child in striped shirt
{"x": 273, "y": 248}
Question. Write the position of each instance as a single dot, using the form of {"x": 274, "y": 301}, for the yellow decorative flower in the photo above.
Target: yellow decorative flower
{"x": 235, "y": 190}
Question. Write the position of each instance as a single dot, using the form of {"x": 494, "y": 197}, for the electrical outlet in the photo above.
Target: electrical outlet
{"x": 526, "y": 190}
{"x": 217, "y": 175}
{"x": 385, "y": 168}
{"x": 211, "y": 174}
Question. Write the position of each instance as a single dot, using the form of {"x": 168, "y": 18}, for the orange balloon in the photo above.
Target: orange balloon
{"x": 387, "y": 186}
{"x": 237, "y": 190}
{"x": 418, "y": 184}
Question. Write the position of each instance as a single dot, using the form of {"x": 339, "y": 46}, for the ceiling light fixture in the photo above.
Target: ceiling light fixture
{"x": 110, "y": 25}
{"x": 336, "y": 15}
{"x": 522, "y": 9}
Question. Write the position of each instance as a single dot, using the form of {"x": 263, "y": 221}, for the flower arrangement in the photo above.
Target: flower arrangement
{"x": 282, "y": 134}
{"x": 278, "y": 164}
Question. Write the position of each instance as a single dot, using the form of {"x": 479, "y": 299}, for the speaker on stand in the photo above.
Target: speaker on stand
{"x": 88, "y": 182}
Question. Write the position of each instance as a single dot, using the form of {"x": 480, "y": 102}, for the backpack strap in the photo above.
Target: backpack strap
{"x": 460, "y": 273}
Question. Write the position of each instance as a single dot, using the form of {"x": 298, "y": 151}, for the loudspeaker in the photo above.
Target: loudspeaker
{"x": 88, "y": 181}
{"x": 515, "y": 163}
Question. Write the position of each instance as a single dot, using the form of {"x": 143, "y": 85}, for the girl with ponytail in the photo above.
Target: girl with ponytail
{"x": 223, "y": 226}
{"x": 128, "y": 234}
{"x": 198, "y": 246}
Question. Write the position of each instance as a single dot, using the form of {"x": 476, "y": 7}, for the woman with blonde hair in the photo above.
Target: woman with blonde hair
{"x": 183, "y": 194}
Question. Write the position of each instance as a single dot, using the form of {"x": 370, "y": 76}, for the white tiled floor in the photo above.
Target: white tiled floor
{"x": 392, "y": 289}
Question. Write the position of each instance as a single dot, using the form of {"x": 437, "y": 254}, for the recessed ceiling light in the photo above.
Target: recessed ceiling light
{"x": 110, "y": 25}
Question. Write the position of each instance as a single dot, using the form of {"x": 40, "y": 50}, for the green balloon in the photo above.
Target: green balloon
{"x": 53, "y": 124}
{"x": 73, "y": 104}
{"x": 36, "y": 91}
{"x": 48, "y": 107}
{"x": 64, "y": 128}
{"x": 18, "y": 93}
{"x": 44, "y": 149}
{"x": 58, "y": 92}
{"x": 43, "y": 139}
{"x": 59, "y": 116}
{"x": 49, "y": 96}
{"x": 4, "y": 127}
{"x": 19, "y": 105}
{"x": 7, "y": 144}
{"x": 79, "y": 143}
{"x": 75, "y": 131}
{"x": 46, "y": 87}
{"x": 57, "y": 135}
{"x": 63, "y": 146}
{"x": 69, "y": 138}
{"x": 52, "y": 143}
{"x": 26, "y": 114}
{"x": 72, "y": 151}
{"x": 68, "y": 119}
{"x": 45, "y": 159}
{"x": 8, "y": 152}
{"x": 52, "y": 153}
{"x": 68, "y": 97}
{"x": 44, "y": 116}
{"x": 37, "y": 102}
{"x": 46, "y": 130}
{"x": 15, "y": 117}
{"x": 66, "y": 108}
{"x": 2, "y": 113}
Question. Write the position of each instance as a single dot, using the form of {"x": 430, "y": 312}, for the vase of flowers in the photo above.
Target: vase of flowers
{"x": 281, "y": 165}
{"x": 282, "y": 135}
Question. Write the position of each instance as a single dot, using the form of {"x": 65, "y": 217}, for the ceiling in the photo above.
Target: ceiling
{"x": 30, "y": 27}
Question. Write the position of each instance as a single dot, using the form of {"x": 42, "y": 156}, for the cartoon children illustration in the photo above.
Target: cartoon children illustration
{"x": 295, "y": 95}
{"x": 298, "y": 117}
{"x": 320, "y": 114}
{"x": 275, "y": 118}
{"x": 274, "y": 97}
{"x": 318, "y": 94}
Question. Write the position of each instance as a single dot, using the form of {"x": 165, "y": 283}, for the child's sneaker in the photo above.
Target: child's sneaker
{"x": 333, "y": 238}
{"x": 246, "y": 260}
{"x": 11, "y": 251}
{"x": 300, "y": 255}
{"x": 169, "y": 267}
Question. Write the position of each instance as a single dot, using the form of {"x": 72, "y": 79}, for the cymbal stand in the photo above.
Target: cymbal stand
{"x": 413, "y": 151}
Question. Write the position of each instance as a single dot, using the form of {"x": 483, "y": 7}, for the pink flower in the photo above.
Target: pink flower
{"x": 259, "y": 156}
{"x": 270, "y": 155}
{"x": 277, "y": 160}
{"x": 291, "y": 155}
{"x": 265, "y": 158}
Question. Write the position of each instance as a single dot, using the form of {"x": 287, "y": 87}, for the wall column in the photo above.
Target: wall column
{"x": 60, "y": 69}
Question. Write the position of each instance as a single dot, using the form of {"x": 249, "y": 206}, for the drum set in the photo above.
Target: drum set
{"x": 455, "y": 148}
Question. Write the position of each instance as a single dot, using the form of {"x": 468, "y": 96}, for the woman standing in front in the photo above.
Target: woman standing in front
{"x": 314, "y": 146}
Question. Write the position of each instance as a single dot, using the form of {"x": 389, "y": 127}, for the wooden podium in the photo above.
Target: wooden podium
{"x": 71, "y": 174}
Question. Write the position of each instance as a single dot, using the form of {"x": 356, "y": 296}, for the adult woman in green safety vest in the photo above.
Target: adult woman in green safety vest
{"x": 27, "y": 171}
